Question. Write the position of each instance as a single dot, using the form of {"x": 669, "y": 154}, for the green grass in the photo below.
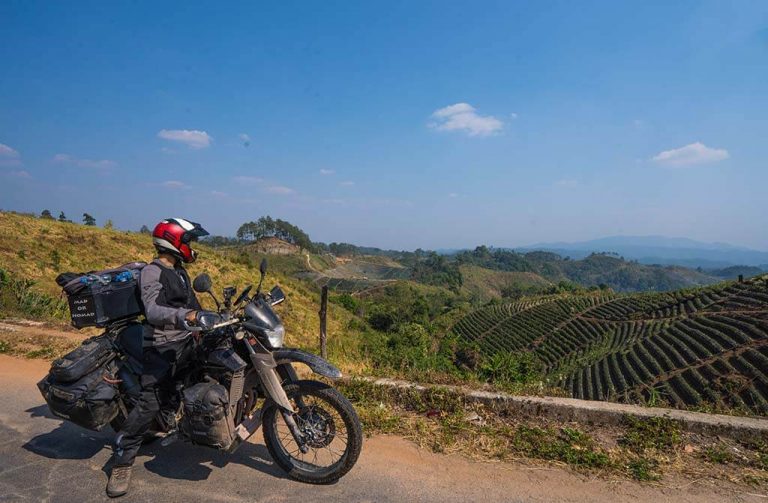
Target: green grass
{"x": 657, "y": 433}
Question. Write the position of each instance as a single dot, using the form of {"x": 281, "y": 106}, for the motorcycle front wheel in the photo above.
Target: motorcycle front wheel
{"x": 331, "y": 429}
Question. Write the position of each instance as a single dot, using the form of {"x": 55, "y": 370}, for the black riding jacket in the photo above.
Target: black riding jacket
{"x": 167, "y": 295}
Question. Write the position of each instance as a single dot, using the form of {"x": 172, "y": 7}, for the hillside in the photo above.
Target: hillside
{"x": 596, "y": 269}
{"x": 661, "y": 250}
{"x": 484, "y": 284}
{"x": 38, "y": 250}
{"x": 705, "y": 348}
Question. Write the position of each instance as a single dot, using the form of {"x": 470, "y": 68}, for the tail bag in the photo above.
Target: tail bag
{"x": 99, "y": 298}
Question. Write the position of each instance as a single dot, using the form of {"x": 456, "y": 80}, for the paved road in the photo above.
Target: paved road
{"x": 45, "y": 459}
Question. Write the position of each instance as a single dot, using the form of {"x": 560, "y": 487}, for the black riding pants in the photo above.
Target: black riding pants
{"x": 157, "y": 389}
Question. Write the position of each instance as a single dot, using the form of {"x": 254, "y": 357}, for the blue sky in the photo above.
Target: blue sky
{"x": 393, "y": 124}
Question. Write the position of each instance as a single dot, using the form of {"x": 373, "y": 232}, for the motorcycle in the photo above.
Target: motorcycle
{"x": 310, "y": 429}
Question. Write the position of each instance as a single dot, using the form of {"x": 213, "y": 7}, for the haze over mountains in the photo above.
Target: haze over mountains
{"x": 661, "y": 250}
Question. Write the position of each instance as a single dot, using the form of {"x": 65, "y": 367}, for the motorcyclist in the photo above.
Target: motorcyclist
{"x": 169, "y": 301}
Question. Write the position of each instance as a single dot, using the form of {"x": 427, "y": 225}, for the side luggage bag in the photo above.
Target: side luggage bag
{"x": 90, "y": 355}
{"x": 75, "y": 389}
{"x": 207, "y": 420}
{"x": 90, "y": 402}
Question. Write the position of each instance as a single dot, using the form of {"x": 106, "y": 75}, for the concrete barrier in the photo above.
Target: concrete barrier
{"x": 743, "y": 429}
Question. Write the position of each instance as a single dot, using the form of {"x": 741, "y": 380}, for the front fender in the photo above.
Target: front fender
{"x": 317, "y": 364}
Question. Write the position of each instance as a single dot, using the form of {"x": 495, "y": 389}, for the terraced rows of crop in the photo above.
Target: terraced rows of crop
{"x": 513, "y": 327}
{"x": 694, "y": 348}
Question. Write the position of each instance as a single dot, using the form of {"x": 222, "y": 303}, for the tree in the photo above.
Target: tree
{"x": 108, "y": 224}
{"x": 88, "y": 219}
{"x": 281, "y": 229}
{"x": 62, "y": 217}
{"x": 46, "y": 214}
{"x": 144, "y": 230}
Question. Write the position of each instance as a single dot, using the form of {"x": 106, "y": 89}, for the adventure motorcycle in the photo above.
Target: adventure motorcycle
{"x": 238, "y": 377}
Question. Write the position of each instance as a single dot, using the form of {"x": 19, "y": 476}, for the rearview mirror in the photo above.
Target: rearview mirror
{"x": 202, "y": 283}
{"x": 276, "y": 296}
{"x": 263, "y": 266}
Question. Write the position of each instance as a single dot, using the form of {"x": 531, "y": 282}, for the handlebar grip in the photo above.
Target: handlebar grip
{"x": 191, "y": 328}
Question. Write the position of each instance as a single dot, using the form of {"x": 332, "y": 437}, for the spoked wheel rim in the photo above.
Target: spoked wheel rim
{"x": 323, "y": 427}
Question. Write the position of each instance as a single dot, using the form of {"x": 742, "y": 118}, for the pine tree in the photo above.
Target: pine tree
{"x": 46, "y": 214}
{"x": 88, "y": 219}
{"x": 62, "y": 217}
{"x": 144, "y": 229}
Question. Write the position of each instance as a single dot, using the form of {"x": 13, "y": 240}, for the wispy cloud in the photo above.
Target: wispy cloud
{"x": 174, "y": 184}
{"x": 247, "y": 180}
{"x": 192, "y": 138}
{"x": 7, "y": 152}
{"x": 453, "y": 195}
{"x": 9, "y": 156}
{"x": 347, "y": 183}
{"x": 327, "y": 172}
{"x": 218, "y": 193}
{"x": 567, "y": 183}
{"x": 280, "y": 190}
{"x": 689, "y": 155}
{"x": 244, "y": 139}
{"x": 84, "y": 163}
{"x": 18, "y": 174}
{"x": 464, "y": 117}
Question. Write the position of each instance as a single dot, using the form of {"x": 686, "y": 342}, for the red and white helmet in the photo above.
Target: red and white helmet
{"x": 173, "y": 235}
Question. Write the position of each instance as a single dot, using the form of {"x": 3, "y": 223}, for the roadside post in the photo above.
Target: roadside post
{"x": 323, "y": 319}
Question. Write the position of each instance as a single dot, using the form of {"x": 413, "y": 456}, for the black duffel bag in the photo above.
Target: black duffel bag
{"x": 207, "y": 420}
{"x": 90, "y": 402}
{"x": 90, "y": 355}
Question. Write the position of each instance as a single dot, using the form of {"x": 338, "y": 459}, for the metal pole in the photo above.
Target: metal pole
{"x": 323, "y": 319}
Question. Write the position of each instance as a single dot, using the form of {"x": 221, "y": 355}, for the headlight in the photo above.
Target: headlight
{"x": 276, "y": 336}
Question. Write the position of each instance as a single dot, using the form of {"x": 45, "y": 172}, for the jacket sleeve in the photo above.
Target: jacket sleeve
{"x": 158, "y": 315}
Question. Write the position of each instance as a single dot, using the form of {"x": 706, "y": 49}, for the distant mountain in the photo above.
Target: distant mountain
{"x": 661, "y": 250}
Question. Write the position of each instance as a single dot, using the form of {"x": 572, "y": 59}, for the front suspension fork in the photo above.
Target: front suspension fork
{"x": 266, "y": 368}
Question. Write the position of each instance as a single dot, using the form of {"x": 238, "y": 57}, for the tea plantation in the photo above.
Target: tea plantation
{"x": 703, "y": 348}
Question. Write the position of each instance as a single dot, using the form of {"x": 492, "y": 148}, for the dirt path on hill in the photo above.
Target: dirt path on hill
{"x": 45, "y": 459}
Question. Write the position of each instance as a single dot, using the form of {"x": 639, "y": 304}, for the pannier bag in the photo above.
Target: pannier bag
{"x": 207, "y": 420}
{"x": 97, "y": 299}
{"x": 90, "y": 402}
{"x": 90, "y": 355}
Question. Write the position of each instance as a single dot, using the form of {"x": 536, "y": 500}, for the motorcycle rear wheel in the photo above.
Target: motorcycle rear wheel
{"x": 328, "y": 420}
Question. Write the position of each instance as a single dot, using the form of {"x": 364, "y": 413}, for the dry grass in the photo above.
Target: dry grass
{"x": 445, "y": 422}
{"x": 41, "y": 249}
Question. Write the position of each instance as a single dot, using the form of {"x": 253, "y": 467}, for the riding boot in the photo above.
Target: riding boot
{"x": 119, "y": 480}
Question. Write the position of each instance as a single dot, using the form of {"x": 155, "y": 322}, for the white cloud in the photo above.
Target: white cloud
{"x": 567, "y": 183}
{"x": 174, "y": 184}
{"x": 191, "y": 138}
{"x": 464, "y": 117}
{"x": 453, "y": 195}
{"x": 84, "y": 163}
{"x": 280, "y": 190}
{"x": 347, "y": 183}
{"x": 19, "y": 174}
{"x": 247, "y": 180}
{"x": 8, "y": 152}
{"x": 327, "y": 172}
{"x": 245, "y": 139}
{"x": 9, "y": 156}
{"x": 218, "y": 193}
{"x": 695, "y": 153}
{"x": 513, "y": 116}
